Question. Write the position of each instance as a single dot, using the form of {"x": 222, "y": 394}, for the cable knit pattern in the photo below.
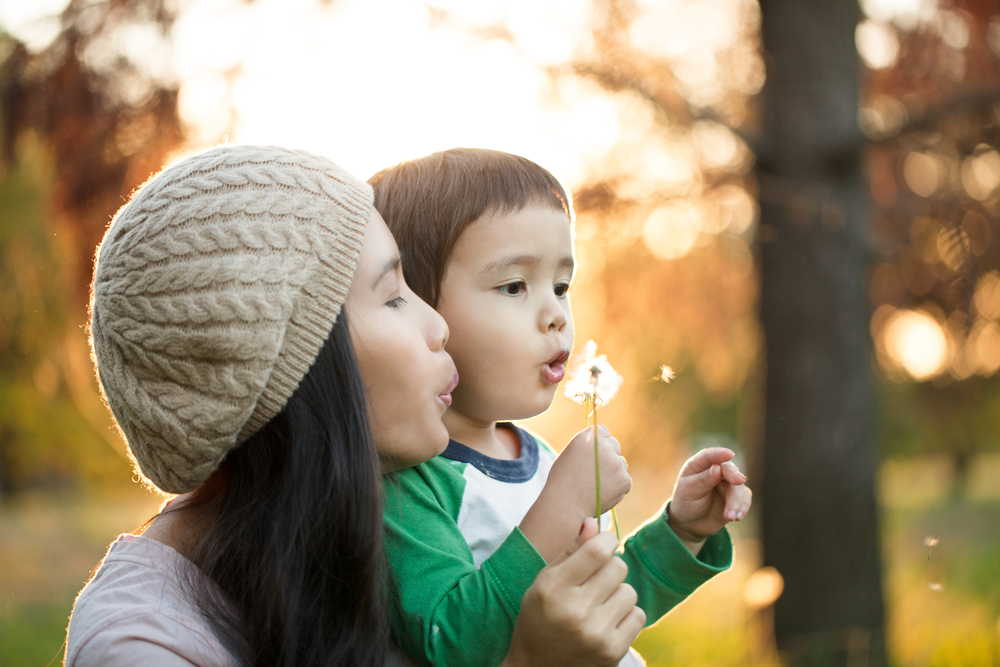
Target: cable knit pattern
{"x": 214, "y": 289}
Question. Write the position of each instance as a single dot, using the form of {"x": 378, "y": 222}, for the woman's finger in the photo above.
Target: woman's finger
{"x": 618, "y": 604}
{"x": 588, "y": 560}
{"x": 603, "y": 582}
{"x": 588, "y": 530}
{"x": 631, "y": 625}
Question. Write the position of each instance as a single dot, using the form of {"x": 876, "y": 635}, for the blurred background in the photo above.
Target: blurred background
{"x": 793, "y": 204}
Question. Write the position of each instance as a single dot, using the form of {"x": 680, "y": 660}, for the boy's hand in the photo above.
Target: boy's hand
{"x": 572, "y": 472}
{"x": 709, "y": 493}
{"x": 568, "y": 497}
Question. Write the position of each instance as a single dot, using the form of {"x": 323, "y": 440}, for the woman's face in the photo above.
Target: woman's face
{"x": 399, "y": 343}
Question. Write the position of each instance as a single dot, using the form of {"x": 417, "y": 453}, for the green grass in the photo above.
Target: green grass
{"x": 943, "y": 603}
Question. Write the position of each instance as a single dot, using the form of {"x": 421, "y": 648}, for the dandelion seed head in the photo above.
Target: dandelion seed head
{"x": 667, "y": 373}
{"x": 593, "y": 378}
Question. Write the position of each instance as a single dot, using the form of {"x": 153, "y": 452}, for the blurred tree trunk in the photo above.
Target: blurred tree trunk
{"x": 817, "y": 499}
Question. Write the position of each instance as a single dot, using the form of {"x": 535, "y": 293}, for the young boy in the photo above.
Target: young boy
{"x": 486, "y": 238}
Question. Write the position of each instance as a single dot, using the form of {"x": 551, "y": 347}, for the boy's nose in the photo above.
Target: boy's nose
{"x": 435, "y": 330}
{"x": 553, "y": 317}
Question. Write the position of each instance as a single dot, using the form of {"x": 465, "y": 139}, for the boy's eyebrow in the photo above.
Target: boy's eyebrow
{"x": 523, "y": 260}
{"x": 390, "y": 267}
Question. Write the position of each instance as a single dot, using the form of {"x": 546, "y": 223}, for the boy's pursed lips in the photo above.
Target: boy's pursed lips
{"x": 554, "y": 370}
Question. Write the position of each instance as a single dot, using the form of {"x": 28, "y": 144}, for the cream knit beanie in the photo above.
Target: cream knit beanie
{"x": 214, "y": 289}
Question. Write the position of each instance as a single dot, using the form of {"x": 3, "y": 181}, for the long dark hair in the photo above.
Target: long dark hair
{"x": 291, "y": 529}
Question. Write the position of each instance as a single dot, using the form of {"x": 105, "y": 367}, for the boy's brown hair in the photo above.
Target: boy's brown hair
{"x": 428, "y": 202}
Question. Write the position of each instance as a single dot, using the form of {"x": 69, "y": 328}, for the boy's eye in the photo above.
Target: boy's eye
{"x": 396, "y": 303}
{"x": 561, "y": 289}
{"x": 512, "y": 289}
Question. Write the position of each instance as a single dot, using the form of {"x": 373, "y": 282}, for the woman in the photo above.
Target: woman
{"x": 263, "y": 357}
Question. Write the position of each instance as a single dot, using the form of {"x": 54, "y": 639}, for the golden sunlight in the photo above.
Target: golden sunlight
{"x": 369, "y": 92}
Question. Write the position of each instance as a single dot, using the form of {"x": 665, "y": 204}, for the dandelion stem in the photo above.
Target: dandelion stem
{"x": 597, "y": 475}
{"x": 597, "y": 466}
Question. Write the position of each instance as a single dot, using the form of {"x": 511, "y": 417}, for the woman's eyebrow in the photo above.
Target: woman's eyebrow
{"x": 390, "y": 267}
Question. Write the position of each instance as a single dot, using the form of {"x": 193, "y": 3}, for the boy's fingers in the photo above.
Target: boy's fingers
{"x": 706, "y": 458}
{"x": 732, "y": 473}
{"x": 615, "y": 445}
{"x": 703, "y": 483}
{"x": 737, "y": 502}
{"x": 747, "y": 500}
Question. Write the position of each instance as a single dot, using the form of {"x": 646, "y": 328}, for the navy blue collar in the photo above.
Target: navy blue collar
{"x": 520, "y": 469}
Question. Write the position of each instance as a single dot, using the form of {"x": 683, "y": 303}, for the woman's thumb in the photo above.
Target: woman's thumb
{"x": 588, "y": 529}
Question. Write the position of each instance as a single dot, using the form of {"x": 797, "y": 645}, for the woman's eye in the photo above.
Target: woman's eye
{"x": 561, "y": 289}
{"x": 397, "y": 302}
{"x": 512, "y": 289}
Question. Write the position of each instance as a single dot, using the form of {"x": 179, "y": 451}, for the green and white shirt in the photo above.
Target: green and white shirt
{"x": 460, "y": 565}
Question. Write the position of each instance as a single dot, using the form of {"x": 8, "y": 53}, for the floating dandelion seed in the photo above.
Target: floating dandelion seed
{"x": 666, "y": 374}
{"x": 930, "y": 542}
{"x": 936, "y": 587}
{"x": 595, "y": 382}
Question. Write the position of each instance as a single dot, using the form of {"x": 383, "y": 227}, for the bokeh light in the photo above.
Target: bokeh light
{"x": 672, "y": 229}
{"x": 881, "y": 117}
{"x": 763, "y": 588}
{"x": 877, "y": 44}
{"x": 981, "y": 172}
{"x": 984, "y": 348}
{"x": 907, "y": 14}
{"x": 923, "y": 172}
{"x": 987, "y": 296}
{"x": 916, "y": 342}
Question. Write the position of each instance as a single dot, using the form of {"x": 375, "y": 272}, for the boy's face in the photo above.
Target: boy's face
{"x": 505, "y": 298}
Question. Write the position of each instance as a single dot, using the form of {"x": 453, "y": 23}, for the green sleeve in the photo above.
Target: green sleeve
{"x": 664, "y": 572}
{"x": 445, "y": 610}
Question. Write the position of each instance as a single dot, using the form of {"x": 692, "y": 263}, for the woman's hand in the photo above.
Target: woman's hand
{"x": 578, "y": 612}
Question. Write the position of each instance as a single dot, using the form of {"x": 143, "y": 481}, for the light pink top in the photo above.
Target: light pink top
{"x": 135, "y": 611}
